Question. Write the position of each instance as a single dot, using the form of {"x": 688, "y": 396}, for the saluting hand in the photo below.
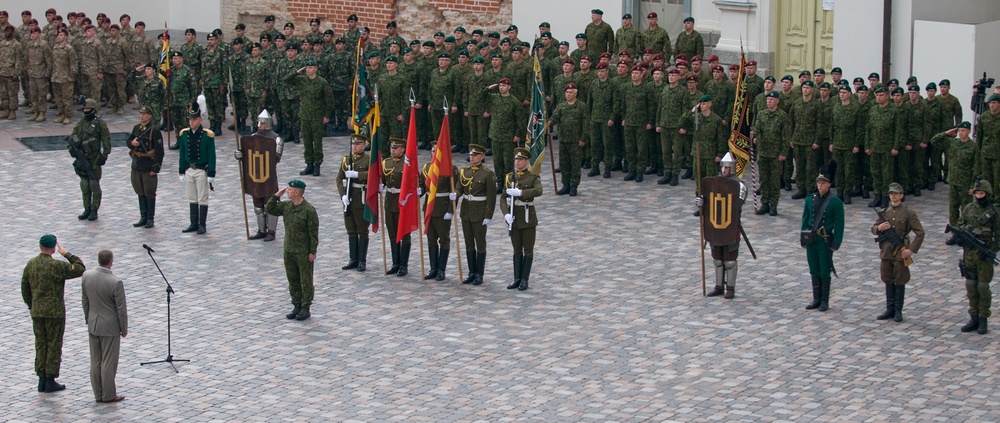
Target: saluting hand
{"x": 60, "y": 249}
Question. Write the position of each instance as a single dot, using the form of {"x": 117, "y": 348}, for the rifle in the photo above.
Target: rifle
{"x": 347, "y": 207}
{"x": 890, "y": 235}
{"x": 513, "y": 184}
{"x": 81, "y": 159}
{"x": 967, "y": 239}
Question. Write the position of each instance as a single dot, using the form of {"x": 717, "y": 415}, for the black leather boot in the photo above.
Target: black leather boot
{"x": 673, "y": 180}
{"x": 631, "y": 176}
{"x": 93, "y": 215}
{"x": 525, "y": 272}
{"x": 41, "y": 383}
{"x": 295, "y": 311}
{"x": 316, "y": 169}
{"x": 404, "y": 258}
{"x": 982, "y": 326}
{"x": 816, "y": 287}
{"x": 480, "y": 265}
{"x": 665, "y": 179}
{"x": 362, "y": 254}
{"x": 394, "y": 250}
{"x": 442, "y": 262}
{"x": 194, "y": 218}
{"x": 470, "y": 259}
{"x": 202, "y": 220}
{"x": 564, "y": 190}
{"x": 52, "y": 386}
{"x": 638, "y": 177}
{"x": 303, "y": 314}
{"x": 595, "y": 170}
{"x": 824, "y": 294}
{"x": 799, "y": 195}
{"x": 890, "y": 303}
{"x": 433, "y": 256}
{"x": 84, "y": 215}
{"x": 764, "y": 209}
{"x": 972, "y": 324}
{"x": 150, "y": 211}
{"x": 900, "y": 293}
{"x": 308, "y": 170}
{"x": 143, "y": 212}
{"x": 572, "y": 191}
{"x": 518, "y": 263}
{"x": 875, "y": 201}
{"x": 352, "y": 248}
{"x": 607, "y": 172}
{"x": 773, "y": 211}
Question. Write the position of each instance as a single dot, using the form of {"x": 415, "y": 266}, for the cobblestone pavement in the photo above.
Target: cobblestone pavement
{"x": 614, "y": 327}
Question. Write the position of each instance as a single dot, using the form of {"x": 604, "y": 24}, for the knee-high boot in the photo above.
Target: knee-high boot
{"x": 480, "y": 265}
{"x": 470, "y": 259}
{"x": 404, "y": 258}
{"x": 525, "y": 272}
{"x": 433, "y": 257}
{"x": 824, "y": 294}
{"x": 394, "y": 249}
{"x": 890, "y": 301}
{"x": 362, "y": 254}
{"x": 352, "y": 248}
{"x": 816, "y": 294}
{"x": 899, "y": 295}
{"x": 442, "y": 262}
{"x": 143, "y": 212}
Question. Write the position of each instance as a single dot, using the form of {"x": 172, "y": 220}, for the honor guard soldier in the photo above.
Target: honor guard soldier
{"x": 90, "y": 144}
{"x": 301, "y": 241}
{"x": 981, "y": 225}
{"x": 196, "y": 165}
{"x": 146, "y": 150}
{"x": 821, "y": 235}
{"x": 717, "y": 194}
{"x": 521, "y": 187}
{"x": 477, "y": 186}
{"x": 439, "y": 228}
{"x": 392, "y": 179}
{"x": 255, "y": 156}
{"x": 351, "y": 185}
{"x": 896, "y": 249}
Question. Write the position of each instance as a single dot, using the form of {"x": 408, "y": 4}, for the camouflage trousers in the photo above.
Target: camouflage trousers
{"x": 990, "y": 169}
{"x": 958, "y": 197}
{"x": 806, "y": 167}
{"x": 479, "y": 127}
{"x": 37, "y": 89}
{"x": 883, "y": 167}
{"x": 240, "y": 108}
{"x": 341, "y": 106}
{"x": 845, "y": 177}
{"x": 636, "y": 148}
{"x": 255, "y": 105}
{"x": 978, "y": 290}
{"x": 682, "y": 151}
{"x": 8, "y": 88}
{"x": 312, "y": 139}
{"x": 911, "y": 166}
{"x": 299, "y": 271}
{"x": 705, "y": 167}
{"x": 48, "y": 345}
{"x": 932, "y": 167}
{"x": 178, "y": 118}
{"x": 91, "y": 191}
{"x": 90, "y": 87}
{"x": 602, "y": 147}
{"x": 62, "y": 94}
{"x": 570, "y": 159}
{"x": 862, "y": 171}
{"x": 215, "y": 101}
{"x": 655, "y": 147}
{"x": 503, "y": 156}
{"x": 788, "y": 165}
{"x": 474, "y": 233}
{"x": 669, "y": 138}
{"x": 424, "y": 125}
{"x": 770, "y": 180}
{"x": 289, "y": 115}
{"x": 618, "y": 141}
{"x": 115, "y": 84}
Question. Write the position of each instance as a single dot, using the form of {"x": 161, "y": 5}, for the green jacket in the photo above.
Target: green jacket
{"x": 833, "y": 219}
{"x": 961, "y": 159}
{"x": 882, "y": 133}
{"x": 531, "y": 188}
{"x": 773, "y": 132}
{"x": 504, "y": 125}
{"x": 315, "y": 95}
{"x": 43, "y": 284}
{"x": 573, "y": 121}
{"x": 844, "y": 125}
{"x": 710, "y": 134}
{"x": 658, "y": 40}
{"x": 805, "y": 121}
{"x": 197, "y": 149}
{"x": 602, "y": 100}
{"x": 477, "y": 186}
{"x": 636, "y": 104}
{"x": 301, "y": 224}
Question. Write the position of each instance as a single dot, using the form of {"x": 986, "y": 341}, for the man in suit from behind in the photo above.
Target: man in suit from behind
{"x": 107, "y": 322}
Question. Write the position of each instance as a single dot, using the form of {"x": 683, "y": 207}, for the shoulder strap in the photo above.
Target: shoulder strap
{"x": 822, "y": 211}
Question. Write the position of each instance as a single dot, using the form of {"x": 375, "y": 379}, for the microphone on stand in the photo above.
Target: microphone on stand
{"x": 148, "y": 249}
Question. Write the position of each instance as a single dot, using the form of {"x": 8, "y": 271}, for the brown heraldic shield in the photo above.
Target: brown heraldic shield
{"x": 720, "y": 212}
{"x": 260, "y": 178}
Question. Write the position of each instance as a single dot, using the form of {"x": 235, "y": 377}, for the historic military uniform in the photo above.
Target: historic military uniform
{"x": 822, "y": 233}
{"x": 439, "y": 225}
{"x": 92, "y": 140}
{"x": 43, "y": 283}
{"x": 894, "y": 270}
{"x": 724, "y": 255}
{"x": 301, "y": 241}
{"x": 982, "y": 220}
{"x": 147, "y": 157}
{"x": 355, "y": 165}
{"x": 314, "y": 95}
{"x": 267, "y": 224}
{"x": 392, "y": 180}
{"x": 572, "y": 119}
{"x": 477, "y": 187}
{"x": 962, "y": 156}
{"x": 521, "y": 187}
{"x": 196, "y": 165}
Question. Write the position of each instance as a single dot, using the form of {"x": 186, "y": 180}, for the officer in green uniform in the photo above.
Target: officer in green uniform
{"x": 844, "y": 127}
{"x": 152, "y": 93}
{"x": 92, "y": 140}
{"x": 392, "y": 180}
{"x": 505, "y": 130}
{"x": 894, "y": 269}
{"x": 918, "y": 133}
{"x": 341, "y": 76}
{"x": 314, "y": 95}
{"x": 288, "y": 95}
{"x": 301, "y": 240}
{"x": 572, "y": 117}
{"x": 477, "y": 187}
{"x": 521, "y": 187}
{"x": 671, "y": 109}
{"x": 353, "y": 174}
{"x": 881, "y": 142}
{"x": 393, "y": 95}
{"x": 804, "y": 115}
{"x": 961, "y": 151}
{"x": 822, "y": 233}
{"x": 214, "y": 74}
{"x": 43, "y": 282}
{"x": 439, "y": 227}
{"x": 443, "y": 84}
{"x": 145, "y": 146}
{"x": 988, "y": 141}
{"x": 979, "y": 217}
{"x": 475, "y": 102}
{"x": 238, "y": 62}
{"x": 196, "y": 165}
{"x": 636, "y": 104}
{"x": 689, "y": 42}
{"x": 599, "y": 35}
{"x": 183, "y": 88}
{"x": 192, "y": 51}
{"x": 771, "y": 132}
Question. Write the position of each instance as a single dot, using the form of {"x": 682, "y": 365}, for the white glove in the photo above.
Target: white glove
{"x": 487, "y": 221}
{"x": 346, "y": 200}
{"x": 514, "y": 192}
{"x": 447, "y": 216}
{"x": 698, "y": 201}
{"x": 381, "y": 187}
{"x": 420, "y": 191}
{"x": 452, "y": 196}
{"x": 351, "y": 173}
{"x": 211, "y": 179}
{"x": 182, "y": 177}
{"x": 238, "y": 154}
{"x": 509, "y": 218}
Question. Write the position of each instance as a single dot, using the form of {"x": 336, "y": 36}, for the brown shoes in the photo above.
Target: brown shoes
{"x": 117, "y": 398}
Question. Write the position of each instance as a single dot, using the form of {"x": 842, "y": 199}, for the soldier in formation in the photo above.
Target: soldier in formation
{"x": 351, "y": 181}
{"x": 477, "y": 187}
{"x": 521, "y": 188}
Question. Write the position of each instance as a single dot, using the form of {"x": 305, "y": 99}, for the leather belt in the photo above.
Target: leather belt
{"x": 194, "y": 166}
{"x": 392, "y": 190}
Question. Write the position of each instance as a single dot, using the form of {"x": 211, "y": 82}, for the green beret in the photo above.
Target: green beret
{"x": 564, "y": 43}
{"x": 47, "y": 241}
{"x": 913, "y": 87}
{"x": 544, "y": 25}
{"x": 428, "y": 44}
{"x": 804, "y": 73}
{"x": 478, "y": 60}
{"x": 460, "y": 29}
{"x": 879, "y": 88}
{"x": 463, "y": 53}
{"x": 769, "y": 78}
{"x": 415, "y": 42}
{"x": 176, "y": 53}
{"x": 512, "y": 28}
{"x": 546, "y": 34}
{"x": 820, "y": 71}
{"x": 391, "y": 59}
{"x": 581, "y": 35}
{"x": 897, "y": 90}
{"x": 911, "y": 80}
{"x": 505, "y": 40}
{"x": 494, "y": 34}
{"x": 893, "y": 81}
{"x": 439, "y": 34}
{"x": 858, "y": 80}
{"x": 826, "y": 85}
{"x": 873, "y": 75}
{"x": 477, "y": 31}
{"x": 311, "y": 62}
{"x": 965, "y": 124}
{"x": 773, "y": 94}
{"x": 944, "y": 82}
{"x": 845, "y": 87}
{"x": 705, "y": 98}
{"x": 407, "y": 50}
{"x": 787, "y": 78}
{"x": 863, "y": 88}
{"x": 279, "y": 37}
{"x": 836, "y": 70}
{"x": 444, "y": 56}
{"x": 994, "y": 97}
{"x": 449, "y": 39}
{"x": 931, "y": 86}
{"x": 809, "y": 84}
{"x": 688, "y": 19}
{"x": 295, "y": 183}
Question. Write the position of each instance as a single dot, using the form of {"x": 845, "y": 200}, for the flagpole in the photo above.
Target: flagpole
{"x": 454, "y": 221}
{"x": 381, "y": 200}
{"x": 166, "y": 77}
{"x": 243, "y": 187}
{"x": 423, "y": 270}
{"x": 697, "y": 183}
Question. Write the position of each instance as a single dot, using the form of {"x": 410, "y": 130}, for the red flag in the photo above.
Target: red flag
{"x": 440, "y": 166}
{"x": 409, "y": 207}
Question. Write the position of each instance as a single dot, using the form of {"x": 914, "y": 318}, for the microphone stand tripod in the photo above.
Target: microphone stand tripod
{"x": 170, "y": 290}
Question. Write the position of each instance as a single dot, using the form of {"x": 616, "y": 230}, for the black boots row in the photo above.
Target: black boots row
{"x": 821, "y": 294}
{"x": 400, "y": 258}
{"x": 358, "y": 248}
{"x": 567, "y": 189}
{"x": 147, "y": 211}
{"x": 438, "y": 261}
{"x": 311, "y": 169}
{"x": 199, "y": 216}
{"x": 522, "y": 272}
{"x": 298, "y": 312}
{"x": 88, "y": 214}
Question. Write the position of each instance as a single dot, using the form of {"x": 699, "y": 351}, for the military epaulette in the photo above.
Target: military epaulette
{"x": 183, "y": 131}
{"x": 209, "y": 133}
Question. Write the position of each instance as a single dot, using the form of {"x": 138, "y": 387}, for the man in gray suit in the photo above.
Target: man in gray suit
{"x": 107, "y": 320}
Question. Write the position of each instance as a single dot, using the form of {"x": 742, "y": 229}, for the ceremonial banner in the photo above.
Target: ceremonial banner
{"x": 260, "y": 176}
{"x": 739, "y": 124}
{"x": 165, "y": 56}
{"x": 720, "y": 212}
{"x": 409, "y": 203}
{"x": 536, "y": 121}
{"x": 374, "y": 168}
{"x": 440, "y": 166}
{"x": 361, "y": 96}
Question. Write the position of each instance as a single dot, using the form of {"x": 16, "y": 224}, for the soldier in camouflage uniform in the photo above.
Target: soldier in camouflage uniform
{"x": 505, "y": 131}
{"x": 711, "y": 137}
{"x": 238, "y": 63}
{"x": 342, "y": 75}
{"x": 804, "y": 115}
{"x": 961, "y": 151}
{"x": 38, "y": 58}
{"x": 477, "y": 186}
{"x": 301, "y": 241}
{"x": 671, "y": 108}
{"x": 935, "y": 113}
{"x": 988, "y": 141}
{"x": 183, "y": 88}
{"x": 258, "y": 79}
{"x": 115, "y": 69}
{"x": 141, "y": 49}
{"x": 826, "y": 102}
{"x": 572, "y": 117}
{"x": 442, "y": 84}
{"x": 689, "y": 41}
{"x": 882, "y": 140}
{"x": 11, "y": 63}
{"x": 521, "y": 187}
{"x": 600, "y": 36}
{"x": 288, "y": 97}
{"x": 43, "y": 283}
{"x": 91, "y": 139}
{"x": 64, "y": 71}
{"x": 982, "y": 220}
{"x": 914, "y": 158}
{"x": 352, "y": 34}
{"x": 91, "y": 55}
{"x": 314, "y": 95}
{"x": 686, "y": 140}
{"x": 863, "y": 173}
{"x": 655, "y": 37}
{"x": 192, "y": 51}
{"x": 213, "y": 78}
{"x": 354, "y": 174}
{"x": 475, "y": 102}
{"x": 635, "y": 103}
{"x": 602, "y": 118}
{"x": 390, "y": 36}
{"x": 844, "y": 132}
{"x": 723, "y": 93}
{"x": 951, "y": 113}
{"x": 628, "y": 37}
{"x": 394, "y": 94}
{"x": 772, "y": 133}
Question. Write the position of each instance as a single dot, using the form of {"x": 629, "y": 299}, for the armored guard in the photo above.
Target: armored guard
{"x": 90, "y": 144}
{"x": 521, "y": 187}
{"x": 259, "y": 154}
{"x": 196, "y": 165}
{"x": 721, "y": 205}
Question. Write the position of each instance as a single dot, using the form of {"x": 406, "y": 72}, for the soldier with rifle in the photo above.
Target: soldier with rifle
{"x": 978, "y": 232}
{"x": 721, "y": 204}
{"x": 893, "y": 227}
{"x": 521, "y": 187}
{"x": 90, "y": 145}
{"x": 259, "y": 154}
{"x": 351, "y": 185}
{"x": 146, "y": 150}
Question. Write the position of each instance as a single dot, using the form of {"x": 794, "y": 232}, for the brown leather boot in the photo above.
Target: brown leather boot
{"x": 716, "y": 292}
{"x": 730, "y": 293}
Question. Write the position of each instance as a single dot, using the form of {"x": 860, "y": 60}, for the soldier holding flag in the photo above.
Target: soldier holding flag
{"x": 392, "y": 179}
{"x": 259, "y": 154}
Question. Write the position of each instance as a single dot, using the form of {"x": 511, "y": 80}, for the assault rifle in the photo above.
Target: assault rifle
{"x": 81, "y": 159}
{"x": 890, "y": 235}
{"x": 967, "y": 239}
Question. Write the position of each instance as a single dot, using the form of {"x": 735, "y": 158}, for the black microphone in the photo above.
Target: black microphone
{"x": 147, "y": 248}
